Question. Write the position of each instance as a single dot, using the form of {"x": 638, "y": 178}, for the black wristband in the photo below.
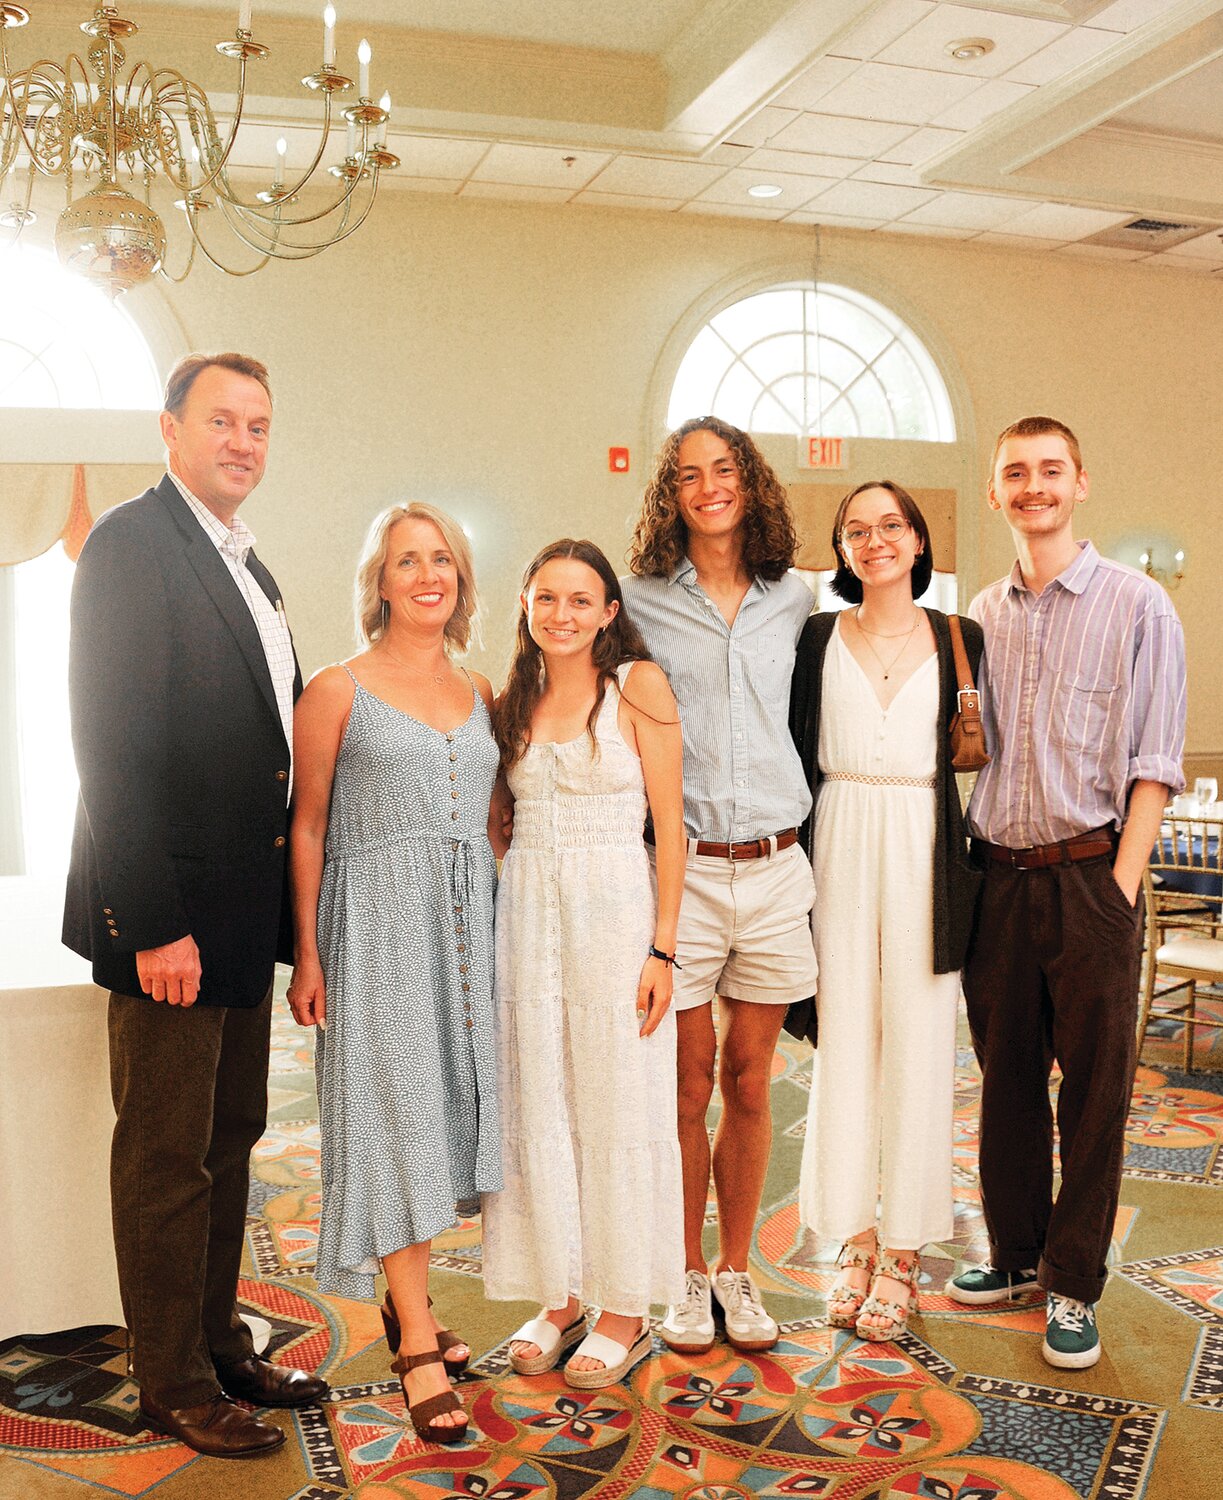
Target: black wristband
{"x": 667, "y": 958}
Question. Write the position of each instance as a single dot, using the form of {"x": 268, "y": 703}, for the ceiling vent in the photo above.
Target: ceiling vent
{"x": 1148, "y": 234}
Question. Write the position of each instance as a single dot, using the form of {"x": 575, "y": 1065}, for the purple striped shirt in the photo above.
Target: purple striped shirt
{"x": 1083, "y": 689}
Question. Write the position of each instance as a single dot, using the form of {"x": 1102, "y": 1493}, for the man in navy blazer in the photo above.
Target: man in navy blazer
{"x": 182, "y": 681}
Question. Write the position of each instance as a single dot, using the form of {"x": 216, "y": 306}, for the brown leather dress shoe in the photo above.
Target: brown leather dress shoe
{"x": 218, "y": 1428}
{"x": 262, "y": 1383}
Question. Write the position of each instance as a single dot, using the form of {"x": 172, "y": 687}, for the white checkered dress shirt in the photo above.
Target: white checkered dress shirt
{"x": 233, "y": 543}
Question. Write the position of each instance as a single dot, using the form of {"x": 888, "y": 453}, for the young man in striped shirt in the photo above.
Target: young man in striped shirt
{"x": 1084, "y": 694}
{"x": 714, "y": 597}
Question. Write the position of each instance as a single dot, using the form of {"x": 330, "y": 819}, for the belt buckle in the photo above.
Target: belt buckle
{"x": 750, "y": 846}
{"x": 1014, "y": 853}
{"x": 967, "y": 692}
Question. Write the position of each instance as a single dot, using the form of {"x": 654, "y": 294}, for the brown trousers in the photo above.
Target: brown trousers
{"x": 190, "y": 1091}
{"x": 1052, "y": 974}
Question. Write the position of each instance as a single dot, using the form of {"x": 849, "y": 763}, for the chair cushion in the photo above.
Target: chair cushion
{"x": 1202, "y": 954}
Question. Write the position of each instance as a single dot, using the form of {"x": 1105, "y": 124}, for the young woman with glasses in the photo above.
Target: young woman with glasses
{"x": 874, "y": 694}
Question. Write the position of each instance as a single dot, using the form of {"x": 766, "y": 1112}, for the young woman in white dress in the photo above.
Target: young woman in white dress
{"x": 874, "y": 693}
{"x": 591, "y": 1210}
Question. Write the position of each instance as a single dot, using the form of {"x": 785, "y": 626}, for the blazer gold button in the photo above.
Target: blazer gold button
{"x": 282, "y": 775}
{"x": 108, "y": 911}
{"x": 279, "y": 841}
{"x": 114, "y": 932}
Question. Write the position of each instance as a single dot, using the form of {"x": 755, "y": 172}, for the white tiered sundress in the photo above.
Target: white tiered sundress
{"x": 592, "y": 1203}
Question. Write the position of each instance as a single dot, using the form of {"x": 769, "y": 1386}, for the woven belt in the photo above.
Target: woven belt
{"x": 925, "y": 782}
{"x": 1093, "y": 845}
{"x": 752, "y": 849}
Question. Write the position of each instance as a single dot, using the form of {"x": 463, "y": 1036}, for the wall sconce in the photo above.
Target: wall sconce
{"x": 1171, "y": 575}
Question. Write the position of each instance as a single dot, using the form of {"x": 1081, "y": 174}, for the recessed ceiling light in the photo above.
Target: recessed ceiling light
{"x": 969, "y": 48}
{"x": 764, "y": 190}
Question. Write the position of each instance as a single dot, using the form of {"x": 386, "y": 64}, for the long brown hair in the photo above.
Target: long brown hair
{"x": 661, "y": 538}
{"x": 619, "y": 641}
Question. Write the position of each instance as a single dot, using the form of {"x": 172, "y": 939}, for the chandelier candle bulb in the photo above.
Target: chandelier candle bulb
{"x": 194, "y": 166}
{"x": 364, "y": 53}
{"x": 385, "y": 102}
{"x": 329, "y": 37}
{"x": 282, "y": 150}
{"x": 350, "y": 145}
{"x": 244, "y": 16}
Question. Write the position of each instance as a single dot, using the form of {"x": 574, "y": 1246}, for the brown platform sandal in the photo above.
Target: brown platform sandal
{"x": 445, "y": 1339}
{"x": 424, "y": 1412}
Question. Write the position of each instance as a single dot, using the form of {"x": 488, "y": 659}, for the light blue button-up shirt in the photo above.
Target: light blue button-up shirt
{"x": 742, "y": 775}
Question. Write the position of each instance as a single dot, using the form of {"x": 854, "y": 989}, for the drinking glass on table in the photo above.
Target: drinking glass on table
{"x": 1206, "y": 790}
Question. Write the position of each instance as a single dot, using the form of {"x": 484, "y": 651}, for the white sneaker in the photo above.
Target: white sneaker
{"x": 688, "y": 1327}
{"x": 748, "y": 1326}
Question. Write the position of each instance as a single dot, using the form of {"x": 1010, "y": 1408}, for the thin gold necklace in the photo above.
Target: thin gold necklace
{"x": 888, "y": 666}
{"x": 437, "y": 677}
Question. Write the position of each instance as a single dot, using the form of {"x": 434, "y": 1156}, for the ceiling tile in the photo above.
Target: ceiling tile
{"x": 810, "y": 86}
{"x": 971, "y": 211}
{"x": 732, "y": 210}
{"x": 1206, "y": 247}
{"x": 910, "y": 96}
{"x": 650, "y": 177}
{"x": 540, "y": 166}
{"x": 805, "y": 163}
{"x": 1127, "y": 15}
{"x": 761, "y": 126}
{"x": 1070, "y": 51}
{"x": 837, "y": 137}
{"x": 727, "y": 155}
{"x": 921, "y": 145}
{"x": 626, "y": 200}
{"x": 516, "y": 191}
{"x": 888, "y": 171}
{"x": 880, "y": 28}
{"x": 1014, "y": 37}
{"x": 431, "y": 156}
{"x": 1012, "y": 241}
{"x": 833, "y": 221}
{"x": 981, "y": 105}
{"x": 872, "y": 200}
{"x": 1063, "y": 221}
{"x": 795, "y": 190}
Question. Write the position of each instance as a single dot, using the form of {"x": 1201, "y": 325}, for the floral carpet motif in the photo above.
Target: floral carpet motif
{"x": 1193, "y": 1284}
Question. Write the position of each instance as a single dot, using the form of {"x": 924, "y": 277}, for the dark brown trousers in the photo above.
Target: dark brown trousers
{"x": 190, "y": 1091}
{"x": 1052, "y": 974}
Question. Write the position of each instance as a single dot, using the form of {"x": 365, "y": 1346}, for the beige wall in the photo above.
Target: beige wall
{"x": 484, "y": 356}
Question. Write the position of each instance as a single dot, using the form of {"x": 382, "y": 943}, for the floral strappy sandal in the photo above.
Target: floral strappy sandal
{"x": 894, "y": 1315}
{"x": 844, "y": 1300}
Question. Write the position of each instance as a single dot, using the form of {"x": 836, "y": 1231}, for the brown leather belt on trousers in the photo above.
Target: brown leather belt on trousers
{"x": 1093, "y": 845}
{"x": 752, "y": 849}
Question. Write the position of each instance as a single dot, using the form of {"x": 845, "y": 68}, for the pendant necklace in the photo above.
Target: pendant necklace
{"x": 438, "y": 677}
{"x": 888, "y": 666}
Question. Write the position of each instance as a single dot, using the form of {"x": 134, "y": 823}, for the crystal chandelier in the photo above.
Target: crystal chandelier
{"x": 87, "y": 122}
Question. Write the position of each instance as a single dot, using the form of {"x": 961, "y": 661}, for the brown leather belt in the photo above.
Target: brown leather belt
{"x": 1093, "y": 845}
{"x": 752, "y": 849}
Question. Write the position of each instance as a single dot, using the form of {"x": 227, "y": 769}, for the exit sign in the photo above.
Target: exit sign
{"x": 823, "y": 453}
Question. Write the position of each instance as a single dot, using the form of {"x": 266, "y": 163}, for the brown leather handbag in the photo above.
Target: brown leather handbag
{"x": 968, "y": 752}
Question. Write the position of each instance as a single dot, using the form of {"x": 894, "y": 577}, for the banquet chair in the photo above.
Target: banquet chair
{"x": 1183, "y": 902}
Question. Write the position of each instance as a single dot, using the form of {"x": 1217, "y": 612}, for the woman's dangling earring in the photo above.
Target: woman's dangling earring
{"x": 386, "y": 615}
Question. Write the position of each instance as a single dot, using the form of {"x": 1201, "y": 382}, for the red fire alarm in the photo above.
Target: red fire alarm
{"x": 617, "y": 460}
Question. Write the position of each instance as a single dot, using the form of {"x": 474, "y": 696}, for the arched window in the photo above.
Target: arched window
{"x": 795, "y": 360}
{"x": 64, "y": 346}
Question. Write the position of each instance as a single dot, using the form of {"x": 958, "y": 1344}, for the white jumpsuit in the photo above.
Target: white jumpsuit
{"x": 879, "y": 1124}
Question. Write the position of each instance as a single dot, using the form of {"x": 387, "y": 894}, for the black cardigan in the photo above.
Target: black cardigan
{"x": 955, "y": 880}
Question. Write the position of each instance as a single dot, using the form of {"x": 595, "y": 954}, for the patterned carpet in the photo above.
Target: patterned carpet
{"x": 960, "y": 1408}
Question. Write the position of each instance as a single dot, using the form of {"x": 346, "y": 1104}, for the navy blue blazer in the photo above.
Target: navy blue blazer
{"x": 182, "y": 823}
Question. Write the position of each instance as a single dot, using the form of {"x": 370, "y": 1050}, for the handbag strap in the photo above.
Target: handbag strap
{"x": 968, "y": 701}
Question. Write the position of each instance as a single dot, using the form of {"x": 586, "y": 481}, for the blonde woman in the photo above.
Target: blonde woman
{"x": 393, "y": 881}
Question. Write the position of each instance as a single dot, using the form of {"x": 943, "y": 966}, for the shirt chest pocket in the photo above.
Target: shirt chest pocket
{"x": 1082, "y": 712}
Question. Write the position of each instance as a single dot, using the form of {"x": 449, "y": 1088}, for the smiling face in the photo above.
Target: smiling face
{"x": 420, "y": 577}
{"x": 881, "y": 559}
{"x": 566, "y": 606}
{"x": 218, "y": 444}
{"x": 710, "y": 499}
{"x": 1036, "y": 484}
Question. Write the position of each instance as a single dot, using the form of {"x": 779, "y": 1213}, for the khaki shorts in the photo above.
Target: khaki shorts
{"x": 745, "y": 930}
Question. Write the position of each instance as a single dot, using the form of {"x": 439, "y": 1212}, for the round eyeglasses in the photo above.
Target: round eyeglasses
{"x": 856, "y": 536}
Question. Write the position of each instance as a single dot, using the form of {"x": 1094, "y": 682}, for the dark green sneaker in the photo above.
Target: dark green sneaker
{"x": 983, "y": 1285}
{"x": 1072, "y": 1340}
